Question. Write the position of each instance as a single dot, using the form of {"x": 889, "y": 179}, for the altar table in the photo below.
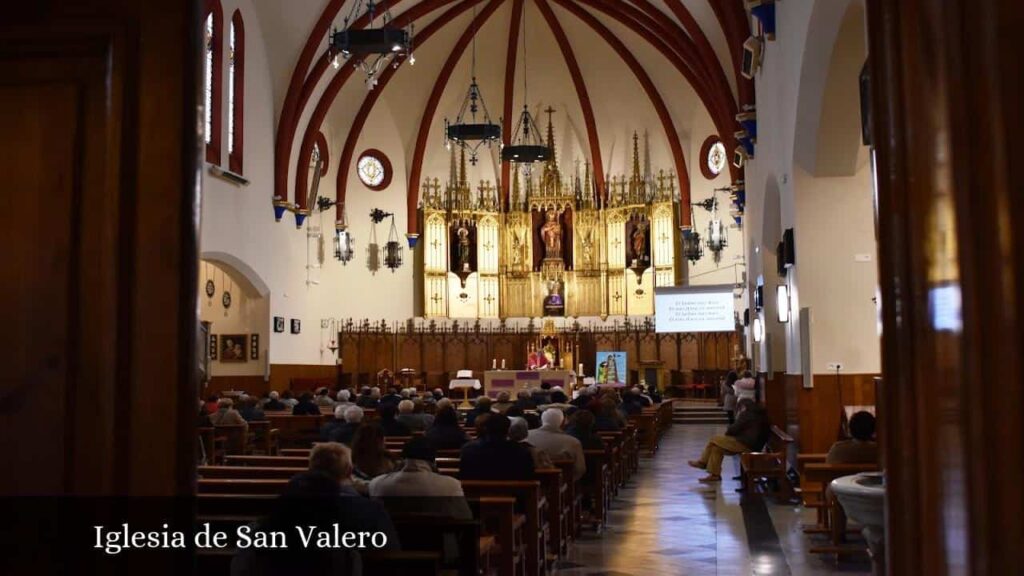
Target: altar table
{"x": 513, "y": 381}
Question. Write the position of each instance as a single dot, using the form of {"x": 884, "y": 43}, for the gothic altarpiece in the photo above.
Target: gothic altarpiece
{"x": 555, "y": 250}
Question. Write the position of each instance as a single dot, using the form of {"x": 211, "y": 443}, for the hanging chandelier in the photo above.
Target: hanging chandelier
{"x": 526, "y": 145}
{"x": 693, "y": 248}
{"x": 372, "y": 49}
{"x": 343, "y": 240}
{"x": 391, "y": 252}
{"x": 467, "y": 132}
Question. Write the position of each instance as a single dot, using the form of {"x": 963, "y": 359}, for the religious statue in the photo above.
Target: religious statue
{"x": 640, "y": 242}
{"x": 464, "y": 247}
{"x": 517, "y": 249}
{"x": 551, "y": 232}
{"x": 588, "y": 249}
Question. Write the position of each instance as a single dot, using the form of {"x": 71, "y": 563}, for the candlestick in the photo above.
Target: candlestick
{"x": 579, "y": 372}
{"x": 502, "y": 363}
{"x": 494, "y": 363}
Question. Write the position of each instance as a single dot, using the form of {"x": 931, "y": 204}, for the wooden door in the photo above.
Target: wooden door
{"x": 99, "y": 155}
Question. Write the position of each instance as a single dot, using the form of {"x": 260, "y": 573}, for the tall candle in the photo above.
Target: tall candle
{"x": 494, "y": 363}
{"x": 502, "y": 363}
{"x": 579, "y": 372}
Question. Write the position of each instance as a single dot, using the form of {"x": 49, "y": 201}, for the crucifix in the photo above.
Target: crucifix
{"x": 436, "y": 298}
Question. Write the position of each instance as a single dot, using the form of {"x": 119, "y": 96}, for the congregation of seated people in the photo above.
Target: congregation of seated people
{"x": 509, "y": 438}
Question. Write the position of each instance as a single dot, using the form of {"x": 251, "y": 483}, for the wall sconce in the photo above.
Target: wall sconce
{"x": 758, "y": 330}
{"x": 782, "y": 300}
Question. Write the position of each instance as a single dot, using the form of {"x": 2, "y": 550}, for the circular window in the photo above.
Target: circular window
{"x": 374, "y": 169}
{"x": 714, "y": 157}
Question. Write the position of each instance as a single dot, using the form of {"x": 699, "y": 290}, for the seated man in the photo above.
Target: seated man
{"x": 558, "y": 400}
{"x": 306, "y": 406}
{"x": 862, "y": 448}
{"x": 249, "y": 408}
{"x": 415, "y": 422}
{"x": 289, "y": 399}
{"x": 445, "y": 433}
{"x": 556, "y": 443}
{"x": 747, "y": 434}
{"x": 503, "y": 403}
{"x": 524, "y": 402}
{"x": 274, "y": 402}
{"x": 388, "y": 424}
{"x": 415, "y": 489}
{"x": 329, "y": 428}
{"x": 226, "y": 415}
{"x": 582, "y": 428}
{"x": 519, "y": 431}
{"x": 483, "y": 406}
{"x": 343, "y": 399}
{"x": 322, "y": 497}
{"x": 323, "y": 397}
{"x": 493, "y": 456}
{"x": 345, "y": 432}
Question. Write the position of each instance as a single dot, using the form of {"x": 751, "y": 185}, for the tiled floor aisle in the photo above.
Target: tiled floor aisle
{"x": 665, "y": 523}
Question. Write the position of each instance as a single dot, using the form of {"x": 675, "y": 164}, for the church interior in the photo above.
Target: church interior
{"x": 513, "y": 287}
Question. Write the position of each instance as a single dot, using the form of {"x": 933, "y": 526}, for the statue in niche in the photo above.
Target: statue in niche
{"x": 588, "y": 249}
{"x": 464, "y": 247}
{"x": 517, "y": 249}
{"x": 551, "y": 232}
{"x": 639, "y": 239}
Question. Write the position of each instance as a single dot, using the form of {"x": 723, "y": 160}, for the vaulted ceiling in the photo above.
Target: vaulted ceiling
{"x": 610, "y": 65}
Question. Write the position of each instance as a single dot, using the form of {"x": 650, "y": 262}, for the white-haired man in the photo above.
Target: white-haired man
{"x": 274, "y": 402}
{"x": 559, "y": 445}
{"x": 344, "y": 399}
{"x": 344, "y": 431}
{"x": 226, "y": 415}
{"x": 415, "y": 422}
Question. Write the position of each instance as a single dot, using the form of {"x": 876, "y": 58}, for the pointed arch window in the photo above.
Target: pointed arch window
{"x": 236, "y": 92}
{"x": 213, "y": 27}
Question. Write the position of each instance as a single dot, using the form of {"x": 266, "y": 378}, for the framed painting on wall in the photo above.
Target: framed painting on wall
{"x": 234, "y": 347}
{"x": 611, "y": 369}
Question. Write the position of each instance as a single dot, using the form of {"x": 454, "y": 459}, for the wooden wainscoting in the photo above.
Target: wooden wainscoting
{"x": 819, "y": 408}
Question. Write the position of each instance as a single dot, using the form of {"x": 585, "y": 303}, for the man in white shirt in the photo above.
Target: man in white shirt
{"x": 415, "y": 489}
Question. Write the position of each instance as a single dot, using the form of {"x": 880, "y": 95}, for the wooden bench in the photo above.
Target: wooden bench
{"x": 250, "y": 472}
{"x": 771, "y": 463}
{"x": 532, "y": 503}
{"x": 596, "y": 486}
{"x": 268, "y": 461}
{"x": 295, "y": 431}
{"x": 821, "y": 474}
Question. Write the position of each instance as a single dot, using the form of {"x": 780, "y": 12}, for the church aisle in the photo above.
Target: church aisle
{"x": 665, "y": 523}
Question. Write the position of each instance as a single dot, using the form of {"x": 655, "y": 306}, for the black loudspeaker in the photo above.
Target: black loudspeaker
{"x": 746, "y": 317}
{"x": 780, "y": 262}
{"x": 759, "y": 298}
{"x": 865, "y": 104}
{"x": 789, "y": 248}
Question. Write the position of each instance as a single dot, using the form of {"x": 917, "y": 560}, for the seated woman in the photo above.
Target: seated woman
{"x": 582, "y": 428}
{"x": 369, "y": 456}
{"x": 749, "y": 433}
{"x": 446, "y": 434}
{"x": 861, "y": 448}
{"x": 608, "y": 417}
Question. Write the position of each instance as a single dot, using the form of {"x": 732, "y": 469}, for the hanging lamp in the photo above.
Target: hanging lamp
{"x": 467, "y": 132}
{"x": 526, "y": 145}
{"x": 371, "y": 48}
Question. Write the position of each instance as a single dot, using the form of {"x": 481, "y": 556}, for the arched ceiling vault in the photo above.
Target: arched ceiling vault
{"x": 666, "y": 28}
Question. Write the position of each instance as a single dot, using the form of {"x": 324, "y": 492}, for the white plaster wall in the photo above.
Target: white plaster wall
{"x": 832, "y": 217}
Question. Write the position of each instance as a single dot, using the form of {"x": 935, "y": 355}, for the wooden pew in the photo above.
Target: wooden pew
{"x": 647, "y": 430}
{"x": 597, "y": 486}
{"x": 555, "y": 492}
{"x": 498, "y": 517}
{"x": 295, "y": 431}
{"x": 240, "y": 486}
{"x": 529, "y": 497}
{"x": 250, "y": 472}
{"x": 574, "y": 497}
{"x": 771, "y": 463}
{"x": 265, "y": 437}
{"x": 268, "y": 461}
{"x": 823, "y": 474}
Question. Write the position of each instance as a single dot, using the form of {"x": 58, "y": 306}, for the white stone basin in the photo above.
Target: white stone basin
{"x": 863, "y": 499}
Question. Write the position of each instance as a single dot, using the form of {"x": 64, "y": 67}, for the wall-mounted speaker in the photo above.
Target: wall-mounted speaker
{"x": 751, "y": 57}
{"x": 739, "y": 156}
{"x": 789, "y": 248}
{"x": 759, "y": 298}
{"x": 746, "y": 317}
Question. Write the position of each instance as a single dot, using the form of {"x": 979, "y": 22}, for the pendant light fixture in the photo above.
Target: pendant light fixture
{"x": 391, "y": 252}
{"x": 526, "y": 145}
{"x": 371, "y": 48}
{"x": 693, "y": 247}
{"x": 467, "y": 132}
{"x": 718, "y": 237}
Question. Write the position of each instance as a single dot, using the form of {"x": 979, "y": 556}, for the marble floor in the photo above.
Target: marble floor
{"x": 665, "y": 523}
